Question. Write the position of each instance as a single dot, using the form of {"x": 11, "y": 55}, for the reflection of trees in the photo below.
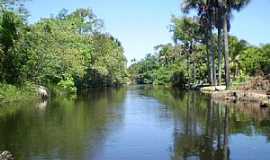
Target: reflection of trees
{"x": 194, "y": 142}
{"x": 226, "y": 133}
{"x": 64, "y": 129}
{"x": 202, "y": 127}
{"x": 213, "y": 121}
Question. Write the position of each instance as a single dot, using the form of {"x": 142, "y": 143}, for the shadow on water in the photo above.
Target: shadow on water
{"x": 127, "y": 123}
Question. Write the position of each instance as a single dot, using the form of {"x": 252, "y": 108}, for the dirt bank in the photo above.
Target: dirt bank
{"x": 256, "y": 91}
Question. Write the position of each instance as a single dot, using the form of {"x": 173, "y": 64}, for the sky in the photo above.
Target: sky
{"x": 142, "y": 24}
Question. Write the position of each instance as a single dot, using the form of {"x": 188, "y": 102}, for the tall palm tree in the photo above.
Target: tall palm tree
{"x": 205, "y": 10}
{"x": 228, "y": 6}
{"x": 218, "y": 21}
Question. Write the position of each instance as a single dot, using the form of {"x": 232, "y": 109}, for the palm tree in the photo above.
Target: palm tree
{"x": 218, "y": 22}
{"x": 228, "y": 6}
{"x": 205, "y": 10}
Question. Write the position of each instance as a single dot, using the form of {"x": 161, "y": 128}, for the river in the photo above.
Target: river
{"x": 135, "y": 123}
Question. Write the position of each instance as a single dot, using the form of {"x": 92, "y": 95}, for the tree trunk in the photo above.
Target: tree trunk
{"x": 210, "y": 78}
{"x": 220, "y": 44}
{"x": 226, "y": 52}
{"x": 212, "y": 59}
{"x": 189, "y": 62}
{"x": 193, "y": 72}
{"x": 193, "y": 64}
{"x": 188, "y": 68}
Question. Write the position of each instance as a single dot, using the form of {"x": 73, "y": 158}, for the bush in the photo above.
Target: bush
{"x": 11, "y": 93}
{"x": 67, "y": 86}
{"x": 162, "y": 76}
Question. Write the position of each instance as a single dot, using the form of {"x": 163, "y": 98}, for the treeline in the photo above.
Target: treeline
{"x": 170, "y": 65}
{"x": 203, "y": 52}
{"x": 68, "y": 50}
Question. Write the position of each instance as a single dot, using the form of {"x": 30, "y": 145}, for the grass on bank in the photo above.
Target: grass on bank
{"x": 11, "y": 93}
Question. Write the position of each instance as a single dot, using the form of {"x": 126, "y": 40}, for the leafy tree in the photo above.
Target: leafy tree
{"x": 10, "y": 29}
{"x": 187, "y": 32}
{"x": 68, "y": 51}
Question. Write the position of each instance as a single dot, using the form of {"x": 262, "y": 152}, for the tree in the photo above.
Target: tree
{"x": 165, "y": 53}
{"x": 218, "y": 21}
{"x": 66, "y": 51}
{"x": 86, "y": 21}
{"x": 10, "y": 28}
{"x": 15, "y": 6}
{"x": 237, "y": 49}
{"x": 205, "y": 11}
{"x": 266, "y": 58}
{"x": 186, "y": 31}
{"x": 228, "y": 6}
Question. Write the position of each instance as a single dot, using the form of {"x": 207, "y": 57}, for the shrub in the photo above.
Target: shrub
{"x": 11, "y": 93}
{"x": 67, "y": 86}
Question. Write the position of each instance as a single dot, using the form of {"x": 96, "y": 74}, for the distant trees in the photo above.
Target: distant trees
{"x": 245, "y": 61}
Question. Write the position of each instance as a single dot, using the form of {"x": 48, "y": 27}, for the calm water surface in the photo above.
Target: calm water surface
{"x": 136, "y": 123}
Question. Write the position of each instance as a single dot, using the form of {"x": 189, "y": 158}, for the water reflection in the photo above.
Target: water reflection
{"x": 42, "y": 105}
{"x": 136, "y": 123}
{"x": 207, "y": 130}
{"x": 66, "y": 129}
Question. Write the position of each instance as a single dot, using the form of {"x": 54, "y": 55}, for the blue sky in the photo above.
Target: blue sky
{"x": 142, "y": 24}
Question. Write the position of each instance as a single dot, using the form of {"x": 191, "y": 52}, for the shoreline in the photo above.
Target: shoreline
{"x": 261, "y": 98}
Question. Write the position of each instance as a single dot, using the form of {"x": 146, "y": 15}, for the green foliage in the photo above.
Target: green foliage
{"x": 10, "y": 27}
{"x": 162, "y": 76}
{"x": 67, "y": 85}
{"x": 171, "y": 65}
{"x": 185, "y": 29}
{"x": 266, "y": 61}
{"x": 251, "y": 60}
{"x": 68, "y": 51}
{"x": 11, "y": 93}
{"x": 163, "y": 68}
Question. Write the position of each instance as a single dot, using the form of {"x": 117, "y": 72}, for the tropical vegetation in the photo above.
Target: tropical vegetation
{"x": 69, "y": 51}
{"x": 202, "y": 42}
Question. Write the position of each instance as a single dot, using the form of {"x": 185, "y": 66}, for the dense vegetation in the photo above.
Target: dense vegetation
{"x": 68, "y": 51}
{"x": 201, "y": 44}
{"x": 171, "y": 65}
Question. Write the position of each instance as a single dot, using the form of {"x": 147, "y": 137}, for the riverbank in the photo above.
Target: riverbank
{"x": 235, "y": 96}
{"x": 11, "y": 93}
{"x": 256, "y": 91}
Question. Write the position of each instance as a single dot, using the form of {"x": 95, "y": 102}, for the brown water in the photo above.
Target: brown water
{"x": 136, "y": 123}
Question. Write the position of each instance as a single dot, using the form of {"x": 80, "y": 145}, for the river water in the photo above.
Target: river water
{"x": 135, "y": 123}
